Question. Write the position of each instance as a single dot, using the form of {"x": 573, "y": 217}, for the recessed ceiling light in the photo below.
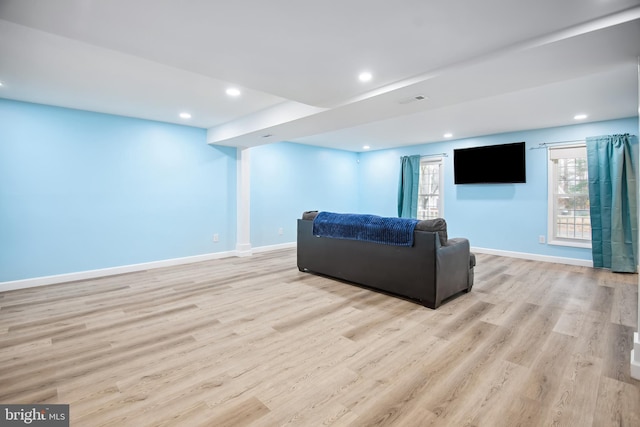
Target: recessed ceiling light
{"x": 1, "y": 84}
{"x": 232, "y": 91}
{"x": 185, "y": 115}
{"x": 580, "y": 116}
{"x": 448, "y": 135}
{"x": 365, "y": 76}
{"x": 365, "y": 147}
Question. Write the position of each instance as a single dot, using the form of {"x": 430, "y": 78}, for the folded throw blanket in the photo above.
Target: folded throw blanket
{"x": 371, "y": 228}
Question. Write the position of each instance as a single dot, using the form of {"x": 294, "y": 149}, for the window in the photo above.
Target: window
{"x": 569, "y": 219}
{"x": 429, "y": 195}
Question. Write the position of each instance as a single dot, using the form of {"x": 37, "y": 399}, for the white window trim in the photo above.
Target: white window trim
{"x": 551, "y": 240}
{"x": 439, "y": 161}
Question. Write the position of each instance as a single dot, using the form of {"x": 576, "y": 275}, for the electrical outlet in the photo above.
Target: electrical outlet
{"x": 216, "y": 238}
{"x": 280, "y": 231}
{"x": 541, "y": 239}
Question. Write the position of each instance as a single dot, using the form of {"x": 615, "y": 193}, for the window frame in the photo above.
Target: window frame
{"x": 552, "y": 180}
{"x": 439, "y": 161}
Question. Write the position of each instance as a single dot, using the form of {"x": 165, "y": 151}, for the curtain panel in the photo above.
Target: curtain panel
{"x": 613, "y": 203}
{"x": 408, "y": 188}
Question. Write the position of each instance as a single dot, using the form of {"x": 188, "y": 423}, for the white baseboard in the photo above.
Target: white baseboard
{"x": 92, "y": 274}
{"x": 275, "y": 247}
{"x": 243, "y": 250}
{"x": 535, "y": 257}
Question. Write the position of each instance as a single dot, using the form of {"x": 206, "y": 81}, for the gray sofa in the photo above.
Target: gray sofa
{"x": 433, "y": 269}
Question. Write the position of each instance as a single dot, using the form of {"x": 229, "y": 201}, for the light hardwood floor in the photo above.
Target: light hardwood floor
{"x": 253, "y": 341}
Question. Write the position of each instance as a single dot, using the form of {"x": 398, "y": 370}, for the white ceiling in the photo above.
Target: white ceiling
{"x": 484, "y": 67}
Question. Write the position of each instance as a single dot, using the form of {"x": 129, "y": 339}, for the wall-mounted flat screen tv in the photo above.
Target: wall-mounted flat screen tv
{"x": 491, "y": 164}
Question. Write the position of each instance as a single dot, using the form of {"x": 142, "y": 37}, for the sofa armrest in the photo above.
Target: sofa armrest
{"x": 452, "y": 267}
{"x": 457, "y": 241}
{"x": 457, "y": 247}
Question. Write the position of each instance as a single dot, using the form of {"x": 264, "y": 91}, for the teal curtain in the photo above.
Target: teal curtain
{"x": 613, "y": 203}
{"x": 408, "y": 189}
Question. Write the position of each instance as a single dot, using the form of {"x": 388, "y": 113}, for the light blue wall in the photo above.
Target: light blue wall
{"x": 507, "y": 217}
{"x": 82, "y": 191}
{"x": 288, "y": 178}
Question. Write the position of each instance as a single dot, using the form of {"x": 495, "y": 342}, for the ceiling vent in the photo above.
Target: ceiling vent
{"x": 412, "y": 99}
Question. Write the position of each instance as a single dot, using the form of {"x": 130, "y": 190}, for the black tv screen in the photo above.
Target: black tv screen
{"x": 491, "y": 164}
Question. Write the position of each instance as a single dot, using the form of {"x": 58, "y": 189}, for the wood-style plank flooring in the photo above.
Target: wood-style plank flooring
{"x": 253, "y": 341}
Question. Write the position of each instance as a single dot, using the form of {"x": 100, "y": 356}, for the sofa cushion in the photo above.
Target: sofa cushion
{"x": 438, "y": 225}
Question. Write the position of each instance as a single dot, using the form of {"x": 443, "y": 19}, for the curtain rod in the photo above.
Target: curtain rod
{"x": 545, "y": 144}
{"x": 430, "y": 155}
{"x": 435, "y": 155}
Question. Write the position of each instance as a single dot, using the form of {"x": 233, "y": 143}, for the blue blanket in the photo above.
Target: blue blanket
{"x": 371, "y": 228}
